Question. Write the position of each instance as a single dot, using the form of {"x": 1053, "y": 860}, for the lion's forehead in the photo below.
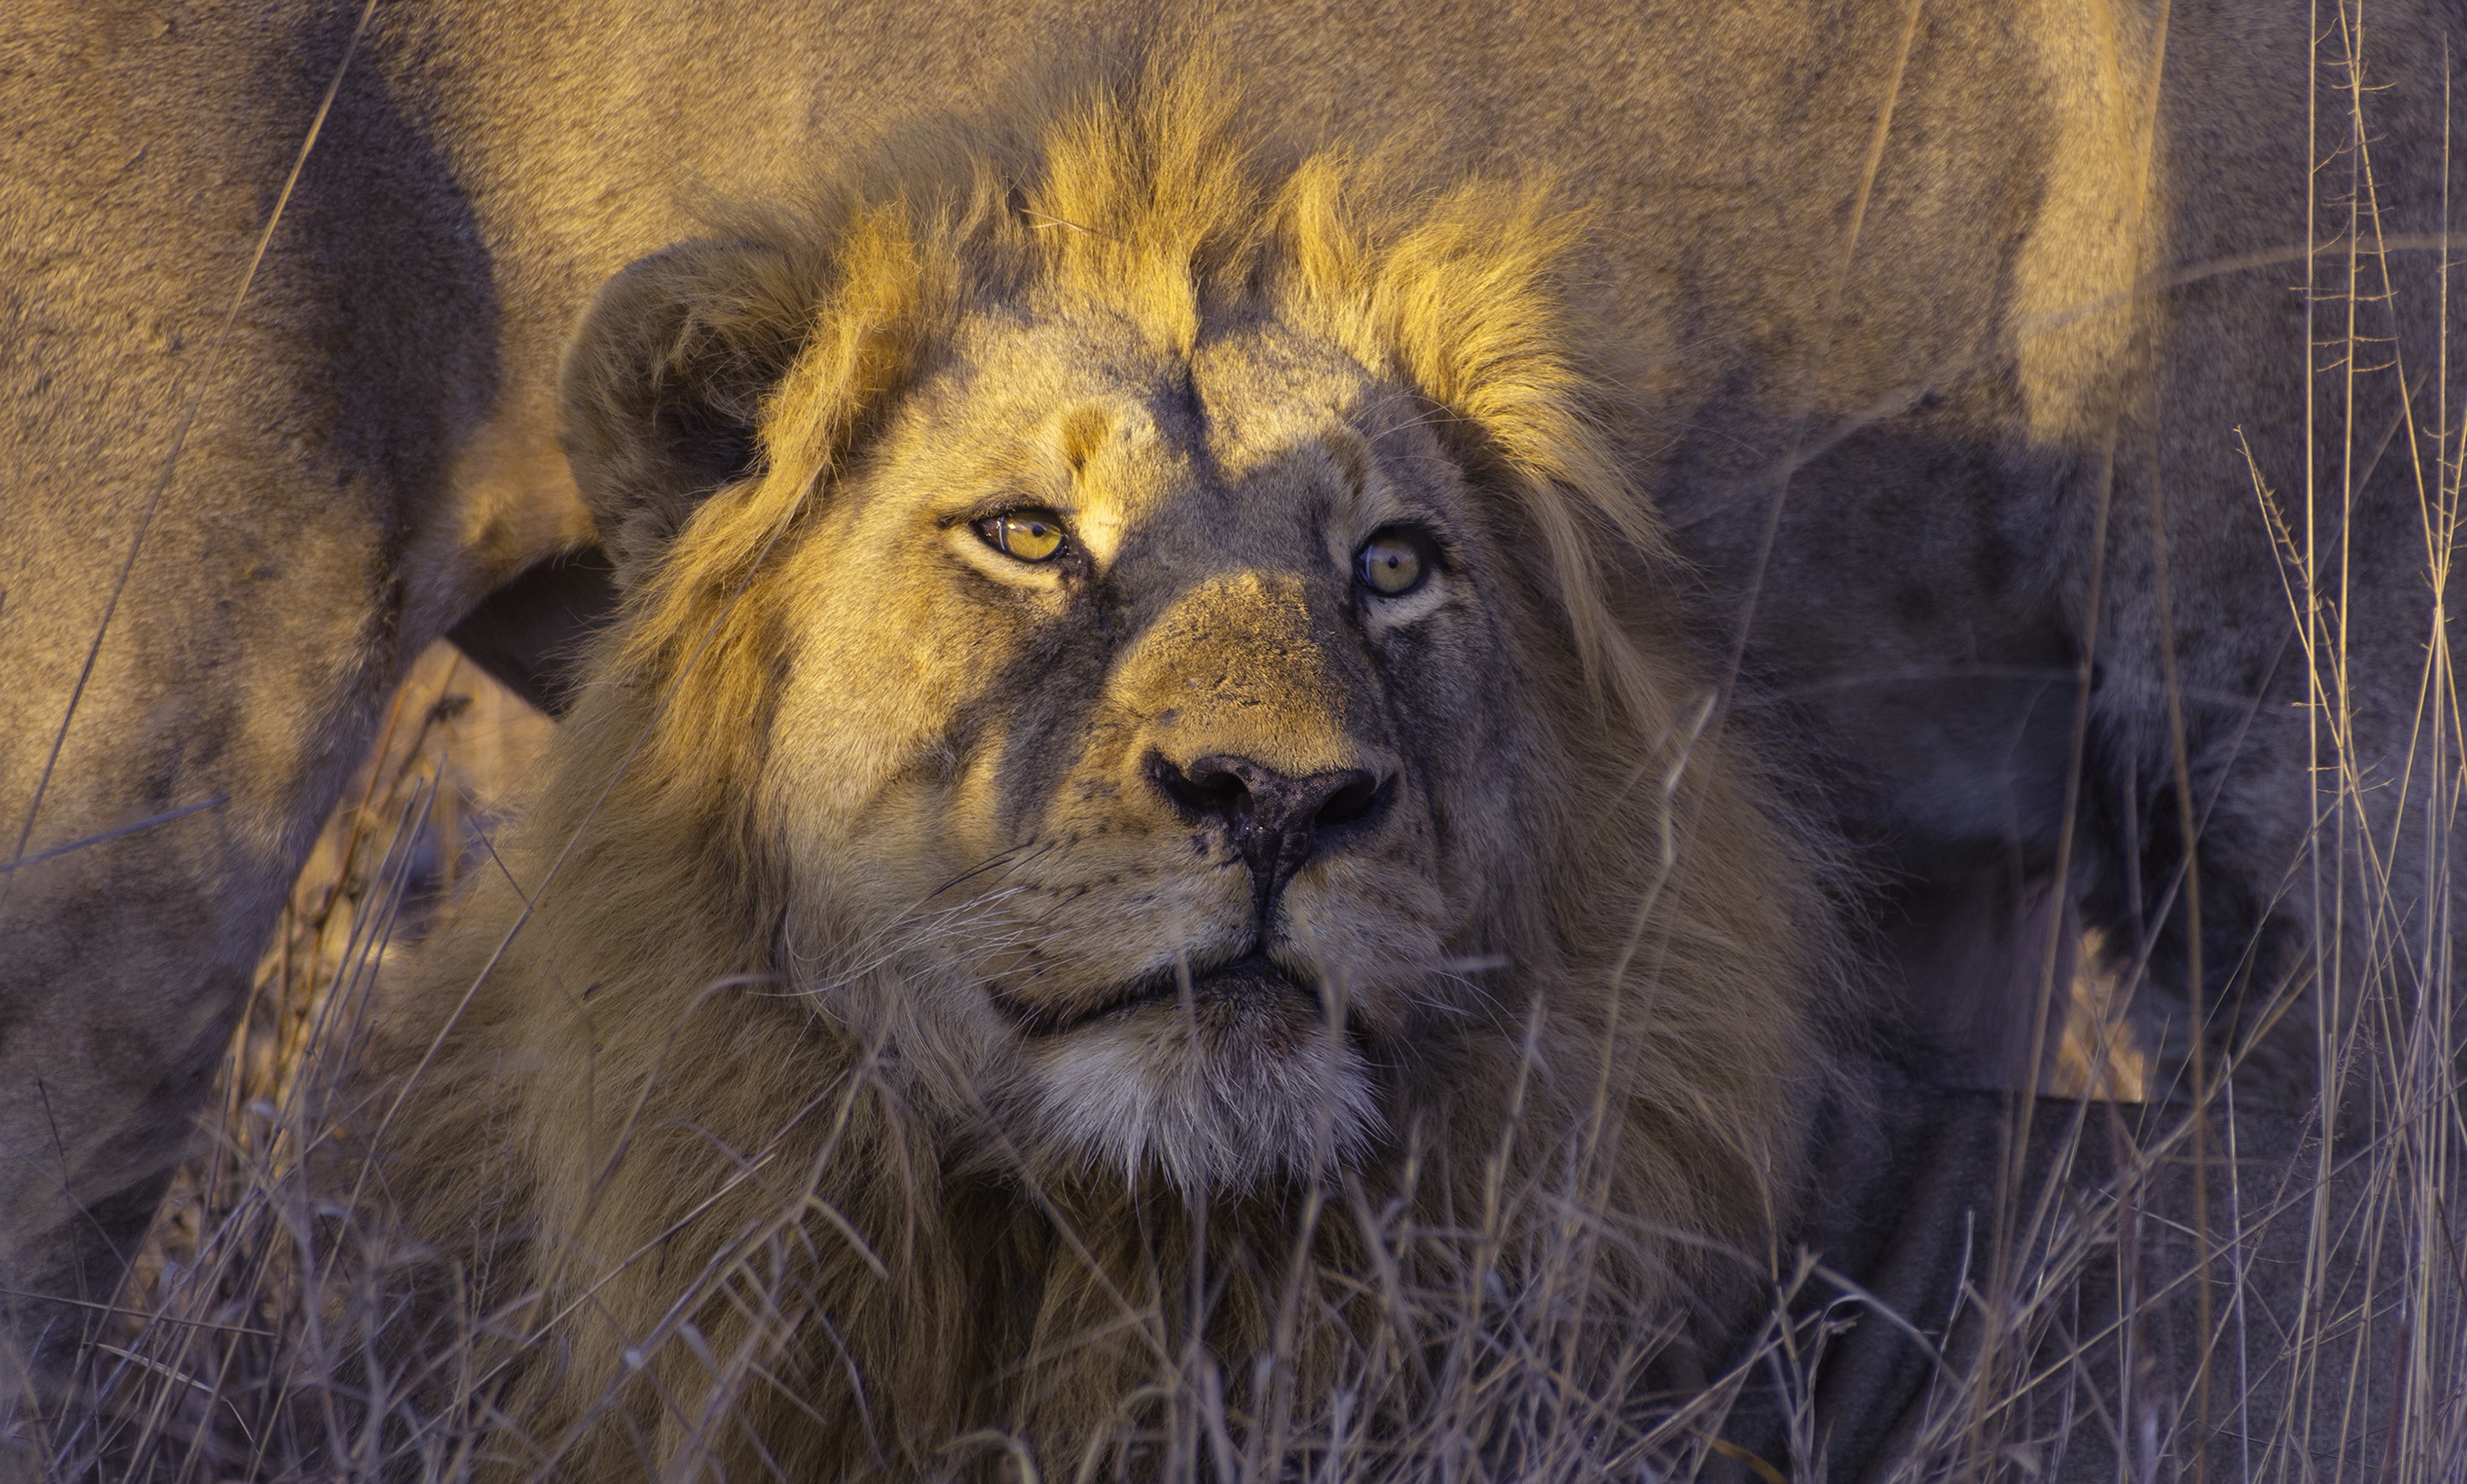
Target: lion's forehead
{"x": 1261, "y": 432}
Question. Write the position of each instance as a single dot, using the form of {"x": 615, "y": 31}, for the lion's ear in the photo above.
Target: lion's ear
{"x": 661, "y": 391}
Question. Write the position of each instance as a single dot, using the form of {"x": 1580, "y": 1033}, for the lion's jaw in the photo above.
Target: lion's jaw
{"x": 1240, "y": 1077}
{"x": 1134, "y": 994}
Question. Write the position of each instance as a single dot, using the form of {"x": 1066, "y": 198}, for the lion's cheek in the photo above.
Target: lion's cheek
{"x": 1371, "y": 937}
{"x": 889, "y": 722}
{"x": 830, "y": 780}
{"x": 882, "y": 801}
{"x": 877, "y": 853}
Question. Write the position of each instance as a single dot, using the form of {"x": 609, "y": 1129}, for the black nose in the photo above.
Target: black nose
{"x": 1276, "y": 821}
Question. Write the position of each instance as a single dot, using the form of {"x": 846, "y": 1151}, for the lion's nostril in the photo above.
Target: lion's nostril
{"x": 1208, "y": 789}
{"x": 1214, "y": 787}
{"x": 1355, "y": 800}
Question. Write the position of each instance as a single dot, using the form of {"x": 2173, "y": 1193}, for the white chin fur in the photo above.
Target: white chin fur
{"x": 1148, "y": 1093}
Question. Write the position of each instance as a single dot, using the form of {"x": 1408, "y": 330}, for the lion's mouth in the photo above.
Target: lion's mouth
{"x": 1218, "y": 994}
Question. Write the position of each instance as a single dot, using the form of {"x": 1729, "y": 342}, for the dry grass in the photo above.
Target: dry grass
{"x": 220, "y": 1362}
{"x": 236, "y": 1353}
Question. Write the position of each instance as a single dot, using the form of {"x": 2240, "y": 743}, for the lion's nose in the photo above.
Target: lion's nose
{"x": 1275, "y": 820}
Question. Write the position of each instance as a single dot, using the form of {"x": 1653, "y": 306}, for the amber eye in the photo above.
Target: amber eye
{"x": 1031, "y": 535}
{"x": 1392, "y": 562}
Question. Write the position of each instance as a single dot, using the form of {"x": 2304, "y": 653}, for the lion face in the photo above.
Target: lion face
{"x": 1176, "y": 645}
{"x": 1143, "y": 674}
{"x": 1151, "y": 708}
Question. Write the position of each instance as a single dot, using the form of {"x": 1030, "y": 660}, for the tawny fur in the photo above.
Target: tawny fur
{"x": 713, "y": 1129}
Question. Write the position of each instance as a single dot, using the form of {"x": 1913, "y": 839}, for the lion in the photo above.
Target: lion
{"x": 2047, "y": 397}
{"x": 1145, "y": 701}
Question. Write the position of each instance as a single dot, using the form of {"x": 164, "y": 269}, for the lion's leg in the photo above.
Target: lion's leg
{"x": 220, "y": 544}
{"x": 152, "y": 852}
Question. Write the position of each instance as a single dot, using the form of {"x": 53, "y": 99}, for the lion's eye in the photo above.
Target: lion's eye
{"x": 1031, "y": 535}
{"x": 1392, "y": 562}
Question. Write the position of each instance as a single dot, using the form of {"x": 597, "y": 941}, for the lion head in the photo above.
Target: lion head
{"x": 1143, "y": 692}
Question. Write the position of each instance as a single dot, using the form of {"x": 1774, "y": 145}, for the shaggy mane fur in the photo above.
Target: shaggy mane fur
{"x": 714, "y": 1228}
